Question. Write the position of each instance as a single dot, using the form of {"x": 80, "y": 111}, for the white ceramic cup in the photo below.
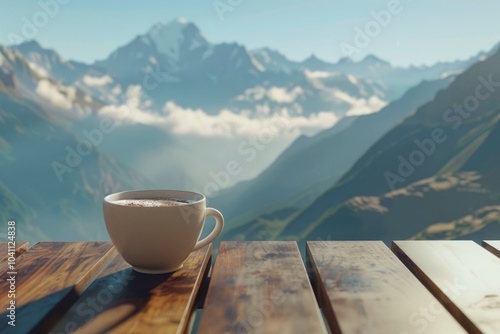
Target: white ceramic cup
{"x": 158, "y": 239}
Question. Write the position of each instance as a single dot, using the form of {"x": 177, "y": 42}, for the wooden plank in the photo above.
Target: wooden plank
{"x": 19, "y": 246}
{"x": 363, "y": 288}
{"x": 48, "y": 278}
{"x": 493, "y": 246}
{"x": 463, "y": 275}
{"x": 122, "y": 300}
{"x": 260, "y": 287}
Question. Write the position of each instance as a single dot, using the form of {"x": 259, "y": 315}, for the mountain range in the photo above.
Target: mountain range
{"x": 433, "y": 175}
{"x": 31, "y": 146}
{"x": 178, "y": 107}
{"x": 311, "y": 165}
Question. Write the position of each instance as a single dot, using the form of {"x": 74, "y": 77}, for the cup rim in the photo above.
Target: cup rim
{"x": 110, "y": 199}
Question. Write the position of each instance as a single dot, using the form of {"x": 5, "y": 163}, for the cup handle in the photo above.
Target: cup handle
{"x": 219, "y": 224}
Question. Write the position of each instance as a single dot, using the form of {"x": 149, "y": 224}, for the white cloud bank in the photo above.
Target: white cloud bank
{"x": 317, "y": 74}
{"x": 132, "y": 110}
{"x": 281, "y": 95}
{"x": 289, "y": 97}
{"x": 186, "y": 121}
{"x": 229, "y": 124}
{"x": 97, "y": 81}
{"x": 275, "y": 94}
{"x": 60, "y": 97}
{"x": 362, "y": 106}
{"x": 40, "y": 71}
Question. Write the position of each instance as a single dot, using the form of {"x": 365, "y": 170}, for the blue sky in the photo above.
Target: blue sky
{"x": 421, "y": 32}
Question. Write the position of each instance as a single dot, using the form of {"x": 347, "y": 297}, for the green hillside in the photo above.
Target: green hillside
{"x": 312, "y": 165}
{"x": 439, "y": 165}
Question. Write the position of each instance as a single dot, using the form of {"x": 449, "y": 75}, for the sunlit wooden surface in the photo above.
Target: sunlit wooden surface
{"x": 50, "y": 276}
{"x": 259, "y": 287}
{"x": 462, "y": 274}
{"x": 364, "y": 288}
{"x": 20, "y": 247}
{"x": 493, "y": 246}
{"x": 131, "y": 302}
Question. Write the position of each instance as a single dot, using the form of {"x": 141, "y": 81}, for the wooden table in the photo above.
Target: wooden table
{"x": 258, "y": 287}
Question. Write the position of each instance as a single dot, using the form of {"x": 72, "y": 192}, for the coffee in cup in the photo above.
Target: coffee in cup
{"x": 156, "y": 230}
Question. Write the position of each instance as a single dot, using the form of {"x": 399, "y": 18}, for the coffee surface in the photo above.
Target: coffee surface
{"x": 148, "y": 202}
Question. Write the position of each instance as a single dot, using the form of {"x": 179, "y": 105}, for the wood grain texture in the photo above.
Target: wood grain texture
{"x": 49, "y": 278}
{"x": 122, "y": 300}
{"x": 20, "y": 247}
{"x": 260, "y": 287}
{"x": 363, "y": 288}
{"x": 462, "y": 274}
{"x": 493, "y": 246}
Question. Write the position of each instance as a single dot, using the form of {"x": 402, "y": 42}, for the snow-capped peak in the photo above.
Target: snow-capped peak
{"x": 373, "y": 60}
{"x": 170, "y": 38}
{"x": 171, "y": 27}
{"x": 273, "y": 60}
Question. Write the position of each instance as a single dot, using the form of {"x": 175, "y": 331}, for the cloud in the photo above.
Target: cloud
{"x": 226, "y": 124}
{"x": 362, "y": 106}
{"x": 252, "y": 94}
{"x": 40, "y": 71}
{"x": 275, "y": 94}
{"x": 314, "y": 123}
{"x": 97, "y": 81}
{"x": 61, "y": 98}
{"x": 229, "y": 124}
{"x": 281, "y": 95}
{"x": 317, "y": 74}
{"x": 133, "y": 109}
